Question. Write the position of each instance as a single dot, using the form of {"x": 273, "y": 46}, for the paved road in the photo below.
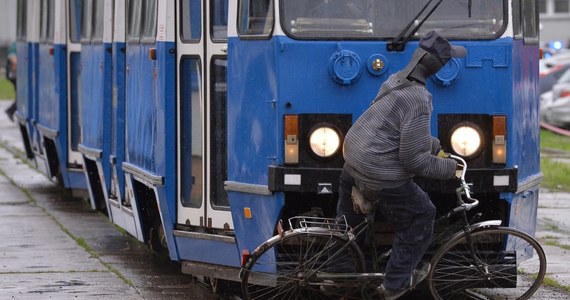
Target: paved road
{"x": 53, "y": 246}
{"x": 553, "y": 231}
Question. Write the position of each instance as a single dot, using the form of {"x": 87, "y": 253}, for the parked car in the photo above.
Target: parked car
{"x": 552, "y": 69}
{"x": 555, "y": 104}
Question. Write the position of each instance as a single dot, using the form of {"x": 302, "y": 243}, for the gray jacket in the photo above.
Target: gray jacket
{"x": 391, "y": 141}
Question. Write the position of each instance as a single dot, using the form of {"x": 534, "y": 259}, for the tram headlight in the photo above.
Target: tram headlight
{"x": 324, "y": 141}
{"x": 466, "y": 140}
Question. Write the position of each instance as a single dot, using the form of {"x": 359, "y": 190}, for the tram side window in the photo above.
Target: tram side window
{"x": 529, "y": 12}
{"x": 218, "y": 141}
{"x": 22, "y": 20}
{"x": 219, "y": 20}
{"x": 517, "y": 28}
{"x": 149, "y": 22}
{"x": 525, "y": 20}
{"x": 47, "y": 21}
{"x": 141, "y": 21}
{"x": 75, "y": 12}
{"x": 86, "y": 15}
{"x": 98, "y": 19}
{"x": 256, "y": 18}
{"x": 191, "y": 21}
{"x": 191, "y": 132}
{"x": 134, "y": 16}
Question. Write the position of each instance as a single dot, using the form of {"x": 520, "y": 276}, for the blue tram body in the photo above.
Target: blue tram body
{"x": 193, "y": 119}
{"x": 44, "y": 93}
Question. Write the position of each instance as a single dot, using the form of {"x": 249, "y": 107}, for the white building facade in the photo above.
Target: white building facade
{"x": 555, "y": 22}
{"x": 7, "y": 22}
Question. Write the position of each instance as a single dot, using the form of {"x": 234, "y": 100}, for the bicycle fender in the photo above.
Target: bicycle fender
{"x": 485, "y": 224}
{"x": 476, "y": 227}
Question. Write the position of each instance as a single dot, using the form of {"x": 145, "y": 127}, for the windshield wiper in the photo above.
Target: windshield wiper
{"x": 399, "y": 43}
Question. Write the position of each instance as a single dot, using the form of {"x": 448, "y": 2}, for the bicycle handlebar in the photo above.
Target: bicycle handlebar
{"x": 464, "y": 188}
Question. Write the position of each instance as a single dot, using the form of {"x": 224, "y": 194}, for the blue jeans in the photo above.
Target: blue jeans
{"x": 409, "y": 210}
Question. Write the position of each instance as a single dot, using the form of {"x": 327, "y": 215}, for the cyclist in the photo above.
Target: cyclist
{"x": 386, "y": 147}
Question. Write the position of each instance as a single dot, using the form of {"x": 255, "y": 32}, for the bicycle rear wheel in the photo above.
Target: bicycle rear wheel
{"x": 303, "y": 265}
{"x": 506, "y": 264}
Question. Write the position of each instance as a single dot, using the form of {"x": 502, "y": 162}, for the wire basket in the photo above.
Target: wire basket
{"x": 338, "y": 225}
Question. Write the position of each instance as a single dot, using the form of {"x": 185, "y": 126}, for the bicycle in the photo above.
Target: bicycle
{"x": 318, "y": 258}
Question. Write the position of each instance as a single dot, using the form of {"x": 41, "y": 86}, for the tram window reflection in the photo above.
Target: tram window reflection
{"x": 219, "y": 20}
{"x": 191, "y": 111}
{"x": 191, "y": 21}
{"x": 381, "y": 19}
{"x": 256, "y": 17}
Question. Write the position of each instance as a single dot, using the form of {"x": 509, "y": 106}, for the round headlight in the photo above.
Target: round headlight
{"x": 466, "y": 140}
{"x": 325, "y": 141}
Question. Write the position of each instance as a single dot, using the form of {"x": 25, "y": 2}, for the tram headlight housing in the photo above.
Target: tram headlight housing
{"x": 466, "y": 140}
{"x": 325, "y": 141}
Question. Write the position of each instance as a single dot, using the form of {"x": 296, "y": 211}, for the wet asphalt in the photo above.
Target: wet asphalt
{"x": 54, "y": 246}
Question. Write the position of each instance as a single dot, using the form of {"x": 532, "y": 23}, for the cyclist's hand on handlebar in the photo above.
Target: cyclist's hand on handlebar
{"x": 459, "y": 170}
{"x": 442, "y": 154}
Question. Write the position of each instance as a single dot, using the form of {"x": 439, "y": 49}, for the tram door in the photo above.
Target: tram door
{"x": 202, "y": 128}
{"x": 74, "y": 81}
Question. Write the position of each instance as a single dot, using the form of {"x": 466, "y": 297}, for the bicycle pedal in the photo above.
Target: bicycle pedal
{"x": 419, "y": 275}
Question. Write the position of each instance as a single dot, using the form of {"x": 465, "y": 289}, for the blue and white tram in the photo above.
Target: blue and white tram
{"x": 300, "y": 72}
{"x": 203, "y": 123}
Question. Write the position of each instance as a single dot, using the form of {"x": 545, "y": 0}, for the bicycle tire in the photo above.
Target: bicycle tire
{"x": 294, "y": 259}
{"x": 513, "y": 261}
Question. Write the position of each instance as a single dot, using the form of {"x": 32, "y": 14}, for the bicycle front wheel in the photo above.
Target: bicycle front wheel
{"x": 504, "y": 263}
{"x": 303, "y": 265}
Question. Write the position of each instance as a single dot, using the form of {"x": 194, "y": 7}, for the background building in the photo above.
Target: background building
{"x": 8, "y": 29}
{"x": 554, "y": 22}
{"x": 7, "y": 22}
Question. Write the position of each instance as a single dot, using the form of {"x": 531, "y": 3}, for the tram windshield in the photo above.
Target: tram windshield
{"x": 382, "y": 19}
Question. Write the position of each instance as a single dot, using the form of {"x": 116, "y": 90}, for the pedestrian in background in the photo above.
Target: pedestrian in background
{"x": 11, "y": 67}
